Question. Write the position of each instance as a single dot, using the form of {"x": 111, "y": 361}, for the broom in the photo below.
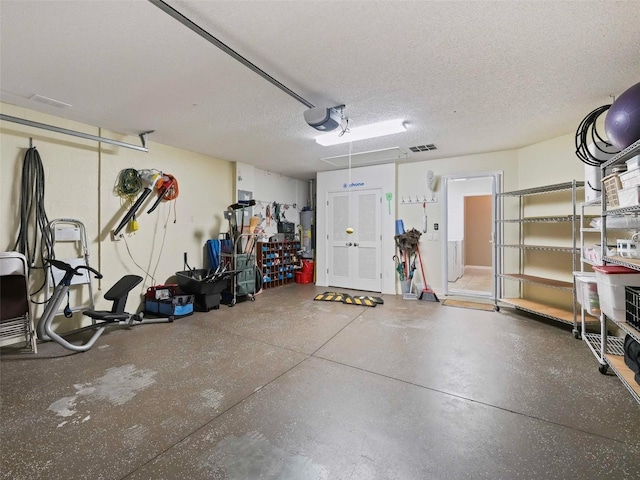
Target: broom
{"x": 427, "y": 294}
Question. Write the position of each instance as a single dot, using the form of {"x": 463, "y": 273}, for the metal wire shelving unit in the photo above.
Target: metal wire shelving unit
{"x": 568, "y": 316}
{"x": 609, "y": 349}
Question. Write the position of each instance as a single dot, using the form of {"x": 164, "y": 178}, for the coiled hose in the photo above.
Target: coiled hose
{"x": 33, "y": 217}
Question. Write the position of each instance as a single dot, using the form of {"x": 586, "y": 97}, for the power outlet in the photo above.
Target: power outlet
{"x": 115, "y": 238}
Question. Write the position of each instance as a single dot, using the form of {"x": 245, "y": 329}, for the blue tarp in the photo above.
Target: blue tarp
{"x": 214, "y": 247}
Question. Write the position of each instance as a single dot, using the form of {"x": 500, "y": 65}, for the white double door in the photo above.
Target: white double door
{"x": 354, "y": 260}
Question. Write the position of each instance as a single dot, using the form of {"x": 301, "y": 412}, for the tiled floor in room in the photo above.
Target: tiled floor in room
{"x": 288, "y": 388}
{"x": 474, "y": 279}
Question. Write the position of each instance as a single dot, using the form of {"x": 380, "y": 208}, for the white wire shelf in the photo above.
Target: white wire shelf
{"x": 615, "y": 345}
{"x": 554, "y": 219}
{"x": 625, "y": 154}
{"x": 622, "y": 210}
{"x": 624, "y": 261}
{"x": 558, "y": 187}
{"x": 541, "y": 247}
{"x": 591, "y": 262}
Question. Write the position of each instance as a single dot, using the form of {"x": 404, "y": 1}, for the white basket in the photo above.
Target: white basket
{"x": 630, "y": 178}
{"x": 629, "y": 197}
{"x": 611, "y": 184}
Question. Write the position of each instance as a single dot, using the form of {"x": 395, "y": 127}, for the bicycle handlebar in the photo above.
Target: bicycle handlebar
{"x": 69, "y": 270}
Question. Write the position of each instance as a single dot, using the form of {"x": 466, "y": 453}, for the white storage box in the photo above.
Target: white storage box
{"x": 630, "y": 178}
{"x": 633, "y": 162}
{"x": 629, "y": 197}
{"x": 587, "y": 292}
{"x": 611, "y": 282}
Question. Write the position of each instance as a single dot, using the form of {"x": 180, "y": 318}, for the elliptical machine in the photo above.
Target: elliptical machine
{"x": 101, "y": 318}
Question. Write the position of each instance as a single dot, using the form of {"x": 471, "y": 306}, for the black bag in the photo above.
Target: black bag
{"x": 632, "y": 356}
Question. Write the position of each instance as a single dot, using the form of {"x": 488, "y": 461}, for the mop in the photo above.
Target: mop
{"x": 427, "y": 294}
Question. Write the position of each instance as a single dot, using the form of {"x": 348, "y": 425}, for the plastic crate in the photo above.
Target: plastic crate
{"x": 611, "y": 184}
{"x": 632, "y": 306}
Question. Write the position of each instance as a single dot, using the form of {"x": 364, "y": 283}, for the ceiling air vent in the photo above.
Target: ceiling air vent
{"x": 423, "y": 148}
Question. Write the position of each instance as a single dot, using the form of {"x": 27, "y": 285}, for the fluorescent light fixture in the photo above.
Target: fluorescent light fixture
{"x": 360, "y": 133}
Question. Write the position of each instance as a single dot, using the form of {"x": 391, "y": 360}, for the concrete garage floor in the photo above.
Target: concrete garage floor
{"x": 291, "y": 389}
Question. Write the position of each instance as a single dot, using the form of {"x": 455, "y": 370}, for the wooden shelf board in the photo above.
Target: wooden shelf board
{"x": 624, "y": 372}
{"x": 538, "y": 308}
{"x": 539, "y": 280}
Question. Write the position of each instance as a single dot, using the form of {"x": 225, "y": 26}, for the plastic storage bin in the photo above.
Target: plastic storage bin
{"x": 629, "y": 197}
{"x": 304, "y": 278}
{"x": 611, "y": 282}
{"x": 633, "y": 162}
{"x": 587, "y": 292}
{"x": 630, "y": 178}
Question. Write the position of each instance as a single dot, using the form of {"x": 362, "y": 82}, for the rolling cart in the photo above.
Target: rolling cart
{"x": 244, "y": 264}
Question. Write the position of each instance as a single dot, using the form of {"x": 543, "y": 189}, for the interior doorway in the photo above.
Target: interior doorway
{"x": 354, "y": 259}
{"x": 468, "y": 256}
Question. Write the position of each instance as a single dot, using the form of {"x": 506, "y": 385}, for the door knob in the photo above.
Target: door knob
{"x": 355, "y": 244}
{"x": 348, "y": 244}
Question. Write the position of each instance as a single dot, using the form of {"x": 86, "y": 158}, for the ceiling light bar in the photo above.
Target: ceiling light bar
{"x": 361, "y": 133}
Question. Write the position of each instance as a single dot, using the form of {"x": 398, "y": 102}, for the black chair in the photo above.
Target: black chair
{"x": 118, "y": 294}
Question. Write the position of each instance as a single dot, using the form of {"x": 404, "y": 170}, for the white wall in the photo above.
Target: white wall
{"x": 268, "y": 187}
{"x": 412, "y": 180}
{"x": 545, "y": 163}
{"x": 378, "y": 176}
{"x": 80, "y": 177}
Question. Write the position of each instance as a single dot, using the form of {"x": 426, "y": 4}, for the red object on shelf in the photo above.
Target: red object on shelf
{"x": 302, "y": 277}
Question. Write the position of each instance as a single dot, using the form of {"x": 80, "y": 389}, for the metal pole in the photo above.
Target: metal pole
{"x": 228, "y": 50}
{"x": 74, "y": 133}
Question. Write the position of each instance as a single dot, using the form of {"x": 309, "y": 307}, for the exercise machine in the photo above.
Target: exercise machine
{"x": 117, "y": 294}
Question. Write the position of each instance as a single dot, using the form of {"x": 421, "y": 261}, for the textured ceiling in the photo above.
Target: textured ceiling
{"x": 468, "y": 76}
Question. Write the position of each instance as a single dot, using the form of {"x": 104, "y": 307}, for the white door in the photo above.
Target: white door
{"x": 354, "y": 259}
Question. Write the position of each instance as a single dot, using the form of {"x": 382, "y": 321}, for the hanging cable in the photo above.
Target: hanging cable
{"x": 128, "y": 184}
{"x": 587, "y": 131}
{"x": 33, "y": 217}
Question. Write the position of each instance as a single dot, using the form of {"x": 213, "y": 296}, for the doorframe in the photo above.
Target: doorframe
{"x": 495, "y": 189}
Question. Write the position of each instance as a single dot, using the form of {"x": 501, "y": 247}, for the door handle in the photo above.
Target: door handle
{"x": 355, "y": 245}
{"x": 348, "y": 244}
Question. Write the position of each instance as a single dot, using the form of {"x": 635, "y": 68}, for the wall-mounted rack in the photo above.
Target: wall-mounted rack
{"x": 87, "y": 136}
{"x": 418, "y": 199}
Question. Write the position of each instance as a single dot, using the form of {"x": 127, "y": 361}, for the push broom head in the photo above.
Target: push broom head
{"x": 428, "y": 295}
